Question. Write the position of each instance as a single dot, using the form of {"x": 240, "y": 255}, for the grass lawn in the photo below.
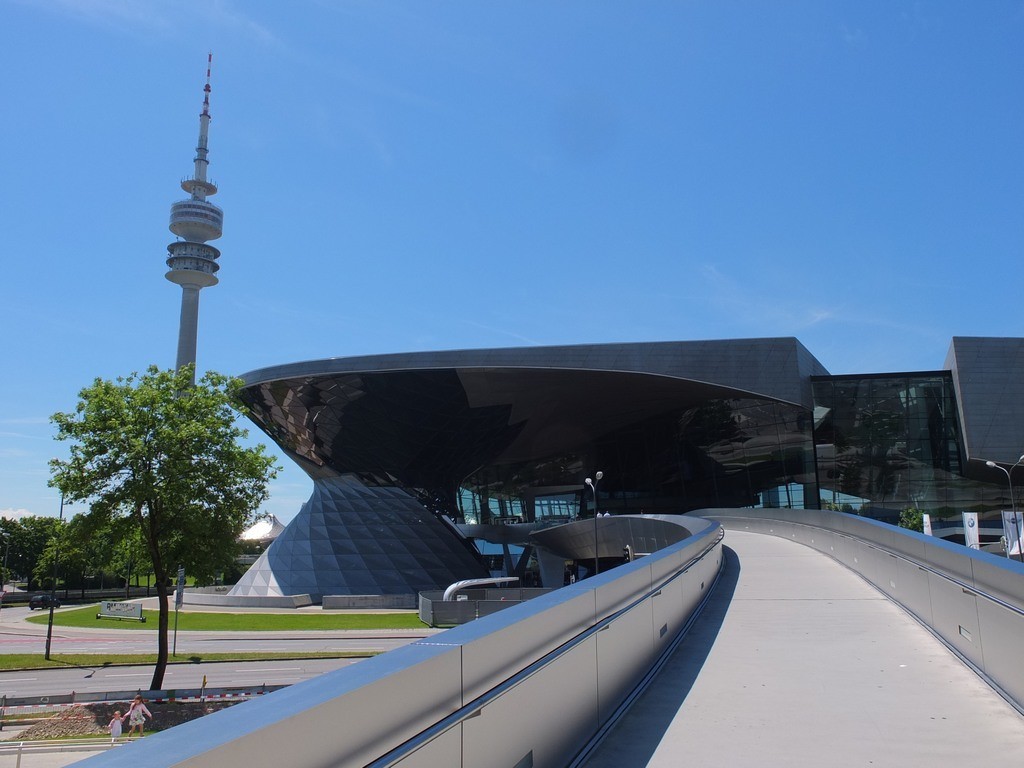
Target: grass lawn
{"x": 238, "y": 622}
{"x": 10, "y": 661}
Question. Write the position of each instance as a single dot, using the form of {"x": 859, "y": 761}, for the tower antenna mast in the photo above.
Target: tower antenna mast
{"x": 192, "y": 263}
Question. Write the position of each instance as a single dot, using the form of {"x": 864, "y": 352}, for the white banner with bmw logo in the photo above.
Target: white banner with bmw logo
{"x": 1013, "y": 529}
{"x": 971, "y": 530}
{"x": 926, "y": 524}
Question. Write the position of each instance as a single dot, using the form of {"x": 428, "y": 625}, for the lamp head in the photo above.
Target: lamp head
{"x": 599, "y": 474}
{"x": 589, "y": 482}
{"x": 990, "y": 464}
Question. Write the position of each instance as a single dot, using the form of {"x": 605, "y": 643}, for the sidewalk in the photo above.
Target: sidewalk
{"x": 65, "y": 753}
{"x": 798, "y": 662}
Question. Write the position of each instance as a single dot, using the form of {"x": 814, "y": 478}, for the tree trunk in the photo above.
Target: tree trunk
{"x": 162, "y": 593}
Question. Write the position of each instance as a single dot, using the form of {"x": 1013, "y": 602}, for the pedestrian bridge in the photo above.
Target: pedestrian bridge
{"x": 797, "y": 661}
{"x": 828, "y": 639}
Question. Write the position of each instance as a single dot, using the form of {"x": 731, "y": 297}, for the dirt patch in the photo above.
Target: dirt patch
{"x": 92, "y": 719}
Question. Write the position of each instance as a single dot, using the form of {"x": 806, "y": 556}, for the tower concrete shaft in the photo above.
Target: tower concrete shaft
{"x": 192, "y": 263}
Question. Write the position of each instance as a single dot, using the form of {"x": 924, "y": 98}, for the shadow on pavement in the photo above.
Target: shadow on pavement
{"x": 636, "y": 737}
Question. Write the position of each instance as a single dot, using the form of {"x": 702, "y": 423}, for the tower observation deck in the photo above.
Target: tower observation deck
{"x": 191, "y": 261}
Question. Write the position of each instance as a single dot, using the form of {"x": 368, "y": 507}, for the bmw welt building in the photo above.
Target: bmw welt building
{"x": 433, "y": 467}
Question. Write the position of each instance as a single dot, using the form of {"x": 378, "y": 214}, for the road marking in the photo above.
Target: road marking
{"x": 131, "y": 674}
{"x": 18, "y": 679}
{"x": 261, "y": 670}
{"x": 277, "y": 680}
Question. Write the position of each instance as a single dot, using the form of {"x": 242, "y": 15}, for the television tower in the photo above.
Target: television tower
{"x": 193, "y": 264}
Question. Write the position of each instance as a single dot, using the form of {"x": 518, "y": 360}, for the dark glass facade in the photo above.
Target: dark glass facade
{"x": 886, "y": 443}
{"x": 724, "y": 452}
{"x": 506, "y": 437}
{"x": 508, "y": 445}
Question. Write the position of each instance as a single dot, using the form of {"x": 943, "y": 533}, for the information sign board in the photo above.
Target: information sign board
{"x": 111, "y": 609}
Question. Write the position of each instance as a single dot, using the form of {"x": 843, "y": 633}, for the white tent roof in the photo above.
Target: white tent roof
{"x": 263, "y": 530}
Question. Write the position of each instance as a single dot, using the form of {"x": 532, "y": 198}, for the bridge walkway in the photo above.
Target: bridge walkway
{"x": 796, "y": 662}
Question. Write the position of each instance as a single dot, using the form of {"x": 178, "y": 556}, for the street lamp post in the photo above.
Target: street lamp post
{"x": 593, "y": 486}
{"x": 1013, "y": 503}
{"x": 4, "y": 580}
{"x": 53, "y": 585}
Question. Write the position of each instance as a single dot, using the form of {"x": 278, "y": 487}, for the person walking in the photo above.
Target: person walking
{"x": 137, "y": 714}
{"x": 115, "y": 727}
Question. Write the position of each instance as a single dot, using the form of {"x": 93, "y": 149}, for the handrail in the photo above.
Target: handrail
{"x": 926, "y": 567}
{"x": 449, "y": 593}
{"x": 905, "y": 558}
{"x": 970, "y": 601}
{"x": 474, "y": 707}
{"x": 59, "y": 745}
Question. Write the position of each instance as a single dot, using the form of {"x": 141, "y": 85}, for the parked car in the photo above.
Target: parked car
{"x": 42, "y": 601}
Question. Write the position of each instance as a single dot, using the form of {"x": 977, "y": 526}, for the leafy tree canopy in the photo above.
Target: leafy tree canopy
{"x": 161, "y": 455}
{"x": 26, "y": 543}
{"x": 912, "y": 518}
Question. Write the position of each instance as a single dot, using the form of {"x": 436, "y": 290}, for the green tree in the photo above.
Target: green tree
{"x": 87, "y": 548}
{"x": 835, "y": 507}
{"x": 7, "y": 536}
{"x": 127, "y": 556}
{"x": 29, "y": 538}
{"x": 165, "y": 454}
{"x": 913, "y": 519}
{"x": 59, "y": 547}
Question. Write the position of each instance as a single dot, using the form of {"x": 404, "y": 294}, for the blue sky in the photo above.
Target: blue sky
{"x": 402, "y": 176}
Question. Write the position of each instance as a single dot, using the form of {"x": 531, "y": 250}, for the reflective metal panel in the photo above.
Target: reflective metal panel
{"x": 913, "y": 591}
{"x": 547, "y": 717}
{"x": 1002, "y": 630}
{"x": 955, "y": 617}
{"x": 625, "y": 650}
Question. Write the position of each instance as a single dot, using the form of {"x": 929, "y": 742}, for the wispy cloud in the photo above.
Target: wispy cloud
{"x": 30, "y": 420}
{"x": 854, "y": 38}
{"x": 225, "y": 15}
{"x": 128, "y": 16}
{"x": 157, "y": 17}
{"x": 13, "y": 453}
{"x": 503, "y": 332}
{"x": 775, "y": 310}
{"x": 771, "y": 313}
{"x": 20, "y": 436}
{"x": 14, "y": 514}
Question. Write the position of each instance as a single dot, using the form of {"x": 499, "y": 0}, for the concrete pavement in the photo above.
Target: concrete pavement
{"x": 799, "y": 662}
{"x": 50, "y": 759}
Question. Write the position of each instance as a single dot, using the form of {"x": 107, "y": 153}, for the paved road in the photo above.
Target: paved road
{"x": 799, "y": 662}
{"x": 16, "y": 640}
{"x": 50, "y": 682}
{"x": 18, "y": 636}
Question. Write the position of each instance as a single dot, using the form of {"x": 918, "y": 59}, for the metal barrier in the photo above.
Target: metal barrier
{"x": 57, "y": 702}
{"x": 435, "y": 611}
{"x": 22, "y": 748}
{"x": 532, "y": 685}
{"x": 972, "y": 601}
